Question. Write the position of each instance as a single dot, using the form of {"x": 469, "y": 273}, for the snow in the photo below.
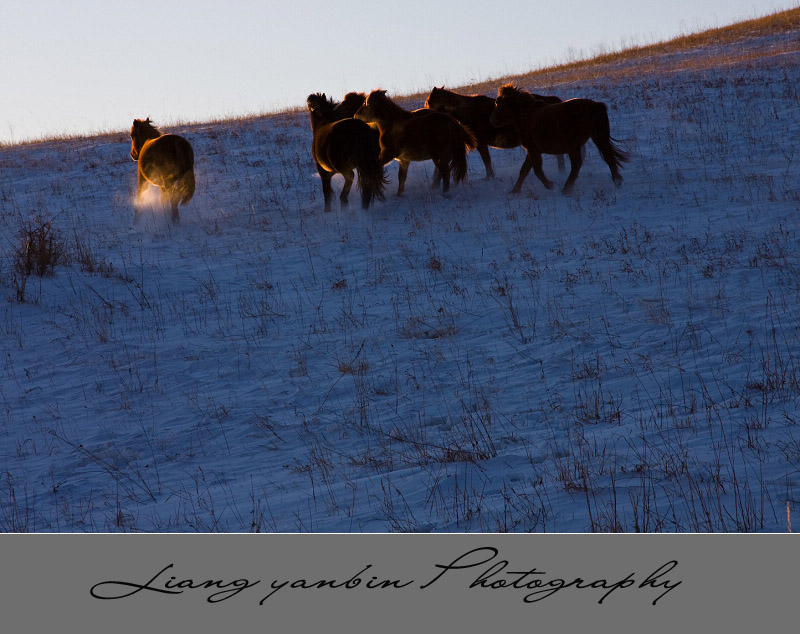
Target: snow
{"x": 616, "y": 359}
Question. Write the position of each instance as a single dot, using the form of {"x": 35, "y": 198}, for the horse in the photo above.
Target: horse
{"x": 164, "y": 160}
{"x": 349, "y": 106}
{"x": 418, "y": 136}
{"x": 558, "y": 128}
{"x": 474, "y": 111}
{"x": 341, "y": 145}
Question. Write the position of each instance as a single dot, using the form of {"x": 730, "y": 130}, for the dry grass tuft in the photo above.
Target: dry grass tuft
{"x": 40, "y": 248}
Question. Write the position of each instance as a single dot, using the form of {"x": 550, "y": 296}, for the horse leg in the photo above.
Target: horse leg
{"x": 437, "y": 177}
{"x": 172, "y": 195}
{"x": 560, "y": 160}
{"x": 349, "y": 176}
{"x": 575, "y": 162}
{"x": 140, "y": 186}
{"x": 444, "y": 170}
{"x": 483, "y": 150}
{"x": 167, "y": 197}
{"x": 536, "y": 163}
{"x": 523, "y": 172}
{"x": 327, "y": 190}
{"x": 532, "y": 161}
{"x": 402, "y": 173}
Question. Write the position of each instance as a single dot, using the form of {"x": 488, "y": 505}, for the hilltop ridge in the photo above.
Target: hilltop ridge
{"x": 741, "y": 42}
{"x": 762, "y": 38}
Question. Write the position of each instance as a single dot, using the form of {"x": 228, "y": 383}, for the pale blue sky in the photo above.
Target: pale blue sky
{"x": 84, "y": 66}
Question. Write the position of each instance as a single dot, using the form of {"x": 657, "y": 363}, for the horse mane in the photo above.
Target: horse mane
{"x": 350, "y": 104}
{"x": 320, "y": 103}
{"x": 508, "y": 90}
{"x": 146, "y": 127}
{"x": 523, "y": 96}
{"x": 447, "y": 91}
{"x": 385, "y": 102}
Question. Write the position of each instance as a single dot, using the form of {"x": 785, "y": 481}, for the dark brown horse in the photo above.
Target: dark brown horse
{"x": 474, "y": 112}
{"x": 418, "y": 136}
{"x": 164, "y": 160}
{"x": 559, "y": 128}
{"x": 350, "y": 104}
{"x": 342, "y": 145}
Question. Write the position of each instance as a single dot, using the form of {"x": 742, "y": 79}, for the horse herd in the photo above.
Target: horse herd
{"x": 365, "y": 132}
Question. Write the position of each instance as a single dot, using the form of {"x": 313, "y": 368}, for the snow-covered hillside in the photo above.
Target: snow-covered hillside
{"x": 616, "y": 359}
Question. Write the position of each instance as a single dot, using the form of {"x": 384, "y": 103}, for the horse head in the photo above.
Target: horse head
{"x": 375, "y": 107}
{"x": 350, "y": 104}
{"x": 320, "y": 108}
{"x": 375, "y": 98}
{"x": 506, "y": 106}
{"x": 142, "y": 130}
{"x": 438, "y": 99}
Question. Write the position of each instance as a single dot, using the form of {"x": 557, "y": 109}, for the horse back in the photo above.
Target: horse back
{"x": 168, "y": 153}
{"x": 474, "y": 112}
{"x": 558, "y": 127}
{"x": 429, "y": 133}
{"x": 549, "y": 99}
{"x": 336, "y": 145}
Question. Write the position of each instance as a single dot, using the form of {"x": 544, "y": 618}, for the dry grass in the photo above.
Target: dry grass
{"x": 663, "y": 57}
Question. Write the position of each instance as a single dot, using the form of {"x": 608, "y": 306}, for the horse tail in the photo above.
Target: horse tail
{"x": 371, "y": 174}
{"x": 185, "y": 185}
{"x": 465, "y": 142}
{"x": 601, "y": 135}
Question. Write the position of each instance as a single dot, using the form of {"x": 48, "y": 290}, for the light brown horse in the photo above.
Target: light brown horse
{"x": 164, "y": 160}
{"x": 342, "y": 145}
{"x": 559, "y": 128}
{"x": 474, "y": 112}
{"x": 418, "y": 136}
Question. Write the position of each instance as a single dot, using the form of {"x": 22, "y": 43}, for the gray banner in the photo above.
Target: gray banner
{"x": 397, "y": 583}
